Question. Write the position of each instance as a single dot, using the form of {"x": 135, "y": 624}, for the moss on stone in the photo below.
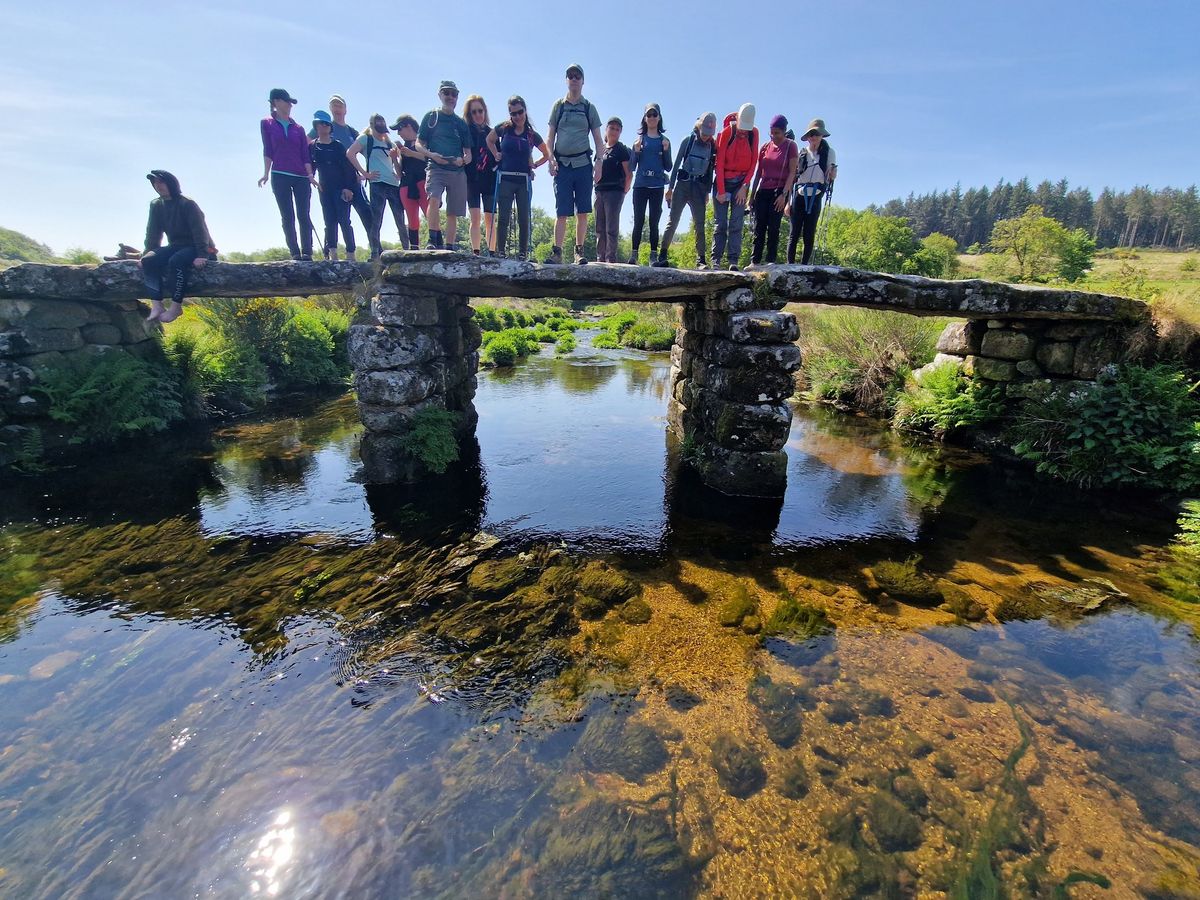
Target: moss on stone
{"x": 635, "y": 612}
{"x": 590, "y": 608}
{"x": 1020, "y": 609}
{"x": 944, "y": 765}
{"x": 739, "y": 770}
{"x": 903, "y": 581}
{"x": 910, "y": 792}
{"x": 600, "y": 580}
{"x": 893, "y": 827}
{"x": 962, "y": 606}
{"x": 498, "y": 577}
{"x": 732, "y": 611}
{"x": 793, "y": 618}
{"x": 558, "y": 581}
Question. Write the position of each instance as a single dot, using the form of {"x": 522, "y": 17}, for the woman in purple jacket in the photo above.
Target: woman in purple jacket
{"x": 287, "y": 165}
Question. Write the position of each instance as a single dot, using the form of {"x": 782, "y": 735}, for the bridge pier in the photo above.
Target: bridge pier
{"x": 731, "y": 374}
{"x": 410, "y": 350}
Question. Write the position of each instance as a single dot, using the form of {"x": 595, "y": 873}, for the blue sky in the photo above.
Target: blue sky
{"x": 917, "y": 95}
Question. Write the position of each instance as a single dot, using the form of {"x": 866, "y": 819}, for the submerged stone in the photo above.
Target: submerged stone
{"x": 626, "y": 747}
{"x": 604, "y": 850}
{"x": 739, "y": 770}
{"x": 961, "y": 604}
{"x": 908, "y": 789}
{"x": 779, "y": 708}
{"x": 731, "y": 613}
{"x": 903, "y": 581}
{"x": 498, "y": 577}
{"x": 793, "y": 779}
{"x": 590, "y": 608}
{"x": 839, "y": 712}
{"x": 600, "y": 580}
{"x": 635, "y": 612}
{"x": 792, "y": 618}
{"x": 894, "y": 827}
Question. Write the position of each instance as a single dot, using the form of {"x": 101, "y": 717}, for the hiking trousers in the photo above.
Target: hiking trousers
{"x": 362, "y": 206}
{"x": 512, "y": 186}
{"x": 336, "y": 213}
{"x": 384, "y": 195}
{"x": 293, "y": 193}
{"x": 169, "y": 268}
{"x": 608, "y": 224}
{"x": 804, "y": 221}
{"x": 728, "y": 219}
{"x": 643, "y": 198}
{"x": 766, "y": 224}
{"x": 694, "y": 195}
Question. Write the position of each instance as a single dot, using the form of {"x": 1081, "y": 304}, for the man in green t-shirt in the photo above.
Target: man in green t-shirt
{"x": 572, "y": 120}
{"x": 444, "y": 136}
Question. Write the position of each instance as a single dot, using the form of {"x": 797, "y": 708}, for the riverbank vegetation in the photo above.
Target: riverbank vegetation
{"x": 639, "y": 326}
{"x": 511, "y": 333}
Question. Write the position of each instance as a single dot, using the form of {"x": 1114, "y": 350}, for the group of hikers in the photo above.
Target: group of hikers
{"x": 462, "y": 163}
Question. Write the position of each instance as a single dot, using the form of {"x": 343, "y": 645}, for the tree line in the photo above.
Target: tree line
{"x": 1167, "y": 218}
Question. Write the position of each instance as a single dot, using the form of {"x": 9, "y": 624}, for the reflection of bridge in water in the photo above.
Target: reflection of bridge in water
{"x": 414, "y": 343}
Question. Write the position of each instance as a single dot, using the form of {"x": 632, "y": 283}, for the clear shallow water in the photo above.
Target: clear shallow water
{"x": 229, "y": 669}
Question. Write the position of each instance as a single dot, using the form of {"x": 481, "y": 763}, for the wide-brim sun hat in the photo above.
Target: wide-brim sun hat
{"x": 817, "y": 125}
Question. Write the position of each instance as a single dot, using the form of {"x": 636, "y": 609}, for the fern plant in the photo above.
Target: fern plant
{"x": 107, "y": 397}
{"x": 432, "y": 438}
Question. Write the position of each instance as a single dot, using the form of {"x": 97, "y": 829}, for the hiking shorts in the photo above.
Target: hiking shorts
{"x": 481, "y": 191}
{"x": 573, "y": 190}
{"x": 454, "y": 183}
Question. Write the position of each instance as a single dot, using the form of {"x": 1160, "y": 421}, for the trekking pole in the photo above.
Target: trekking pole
{"x": 823, "y": 224}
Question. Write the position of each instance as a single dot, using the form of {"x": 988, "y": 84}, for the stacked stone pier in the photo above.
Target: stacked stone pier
{"x": 731, "y": 377}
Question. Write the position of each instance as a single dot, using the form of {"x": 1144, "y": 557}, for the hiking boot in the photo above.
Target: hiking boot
{"x": 632, "y": 261}
{"x": 305, "y": 257}
{"x": 701, "y": 265}
{"x": 485, "y": 253}
{"x": 453, "y": 248}
{"x": 734, "y": 267}
{"x": 350, "y": 255}
{"x": 580, "y": 259}
{"x": 555, "y": 257}
{"x": 661, "y": 263}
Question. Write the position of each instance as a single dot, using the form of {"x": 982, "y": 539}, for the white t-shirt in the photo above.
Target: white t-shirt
{"x": 813, "y": 174}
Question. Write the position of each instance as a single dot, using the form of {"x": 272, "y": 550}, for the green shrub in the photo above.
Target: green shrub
{"x": 646, "y": 336}
{"x": 944, "y": 401}
{"x": 620, "y": 323}
{"x": 1189, "y": 265}
{"x": 544, "y": 334}
{"x": 306, "y": 352}
{"x": 861, "y": 358}
{"x": 1133, "y": 426}
{"x": 110, "y": 396}
{"x": 1188, "y": 539}
{"x": 337, "y": 323}
{"x": 500, "y": 351}
{"x": 606, "y": 340}
{"x": 432, "y": 438}
{"x": 488, "y": 318}
{"x": 212, "y": 369}
{"x": 565, "y": 343}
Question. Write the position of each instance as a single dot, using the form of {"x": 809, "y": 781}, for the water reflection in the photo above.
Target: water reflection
{"x": 271, "y": 679}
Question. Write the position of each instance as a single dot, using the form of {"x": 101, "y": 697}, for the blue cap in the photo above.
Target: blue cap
{"x": 321, "y": 116}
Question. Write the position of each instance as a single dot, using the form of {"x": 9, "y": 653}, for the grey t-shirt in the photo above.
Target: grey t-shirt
{"x": 379, "y": 158}
{"x": 343, "y": 134}
{"x": 575, "y": 125}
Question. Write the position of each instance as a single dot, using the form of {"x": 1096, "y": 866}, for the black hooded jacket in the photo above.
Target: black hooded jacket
{"x": 178, "y": 217}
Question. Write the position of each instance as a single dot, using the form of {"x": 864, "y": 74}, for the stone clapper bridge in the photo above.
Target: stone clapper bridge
{"x": 414, "y": 343}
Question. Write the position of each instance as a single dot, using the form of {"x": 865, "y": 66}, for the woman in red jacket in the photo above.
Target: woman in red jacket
{"x": 737, "y": 155}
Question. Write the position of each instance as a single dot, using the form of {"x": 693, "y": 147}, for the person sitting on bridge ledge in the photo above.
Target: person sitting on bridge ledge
{"x": 444, "y": 136}
{"x": 188, "y": 245}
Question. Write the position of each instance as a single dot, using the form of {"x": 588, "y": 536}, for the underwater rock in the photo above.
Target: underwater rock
{"x": 739, "y": 770}
{"x": 793, "y": 779}
{"x": 499, "y": 577}
{"x": 903, "y": 581}
{"x": 794, "y": 619}
{"x": 874, "y": 703}
{"x": 977, "y": 693}
{"x": 731, "y": 612}
{"x": 629, "y": 748}
{"x": 558, "y": 581}
{"x": 779, "y": 708}
{"x": 600, "y": 580}
{"x": 1088, "y": 596}
{"x": 917, "y": 746}
{"x": 681, "y": 699}
{"x": 590, "y": 608}
{"x": 894, "y": 827}
{"x": 1020, "y": 609}
{"x": 908, "y": 789}
{"x": 963, "y": 606}
{"x": 635, "y": 612}
{"x": 751, "y": 625}
{"x": 944, "y": 765}
{"x": 605, "y": 850}
{"x": 49, "y": 667}
{"x": 839, "y": 712}
{"x": 982, "y": 672}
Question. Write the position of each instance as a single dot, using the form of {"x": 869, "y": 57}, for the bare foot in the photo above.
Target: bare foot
{"x": 156, "y": 311}
{"x": 172, "y": 314}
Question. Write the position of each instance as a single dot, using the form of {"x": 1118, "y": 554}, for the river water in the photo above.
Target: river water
{"x": 228, "y": 669}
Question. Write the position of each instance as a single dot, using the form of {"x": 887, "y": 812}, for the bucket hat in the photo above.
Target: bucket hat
{"x": 817, "y": 125}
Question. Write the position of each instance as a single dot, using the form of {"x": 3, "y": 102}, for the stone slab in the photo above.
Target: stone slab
{"x": 397, "y": 387}
{"x": 722, "y": 352}
{"x": 759, "y": 327}
{"x": 1005, "y": 344}
{"x": 373, "y": 347}
{"x": 404, "y": 309}
{"x": 743, "y": 474}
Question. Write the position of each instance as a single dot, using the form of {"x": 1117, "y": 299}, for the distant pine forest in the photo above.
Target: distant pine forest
{"x": 1168, "y": 218}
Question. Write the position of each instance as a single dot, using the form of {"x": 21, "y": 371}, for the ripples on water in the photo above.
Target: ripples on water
{"x": 229, "y": 669}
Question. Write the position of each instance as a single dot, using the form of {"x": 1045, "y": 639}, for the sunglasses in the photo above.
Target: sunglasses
{"x": 449, "y": 93}
{"x": 516, "y": 112}
{"x": 574, "y": 78}
{"x": 651, "y": 114}
{"x": 477, "y": 111}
